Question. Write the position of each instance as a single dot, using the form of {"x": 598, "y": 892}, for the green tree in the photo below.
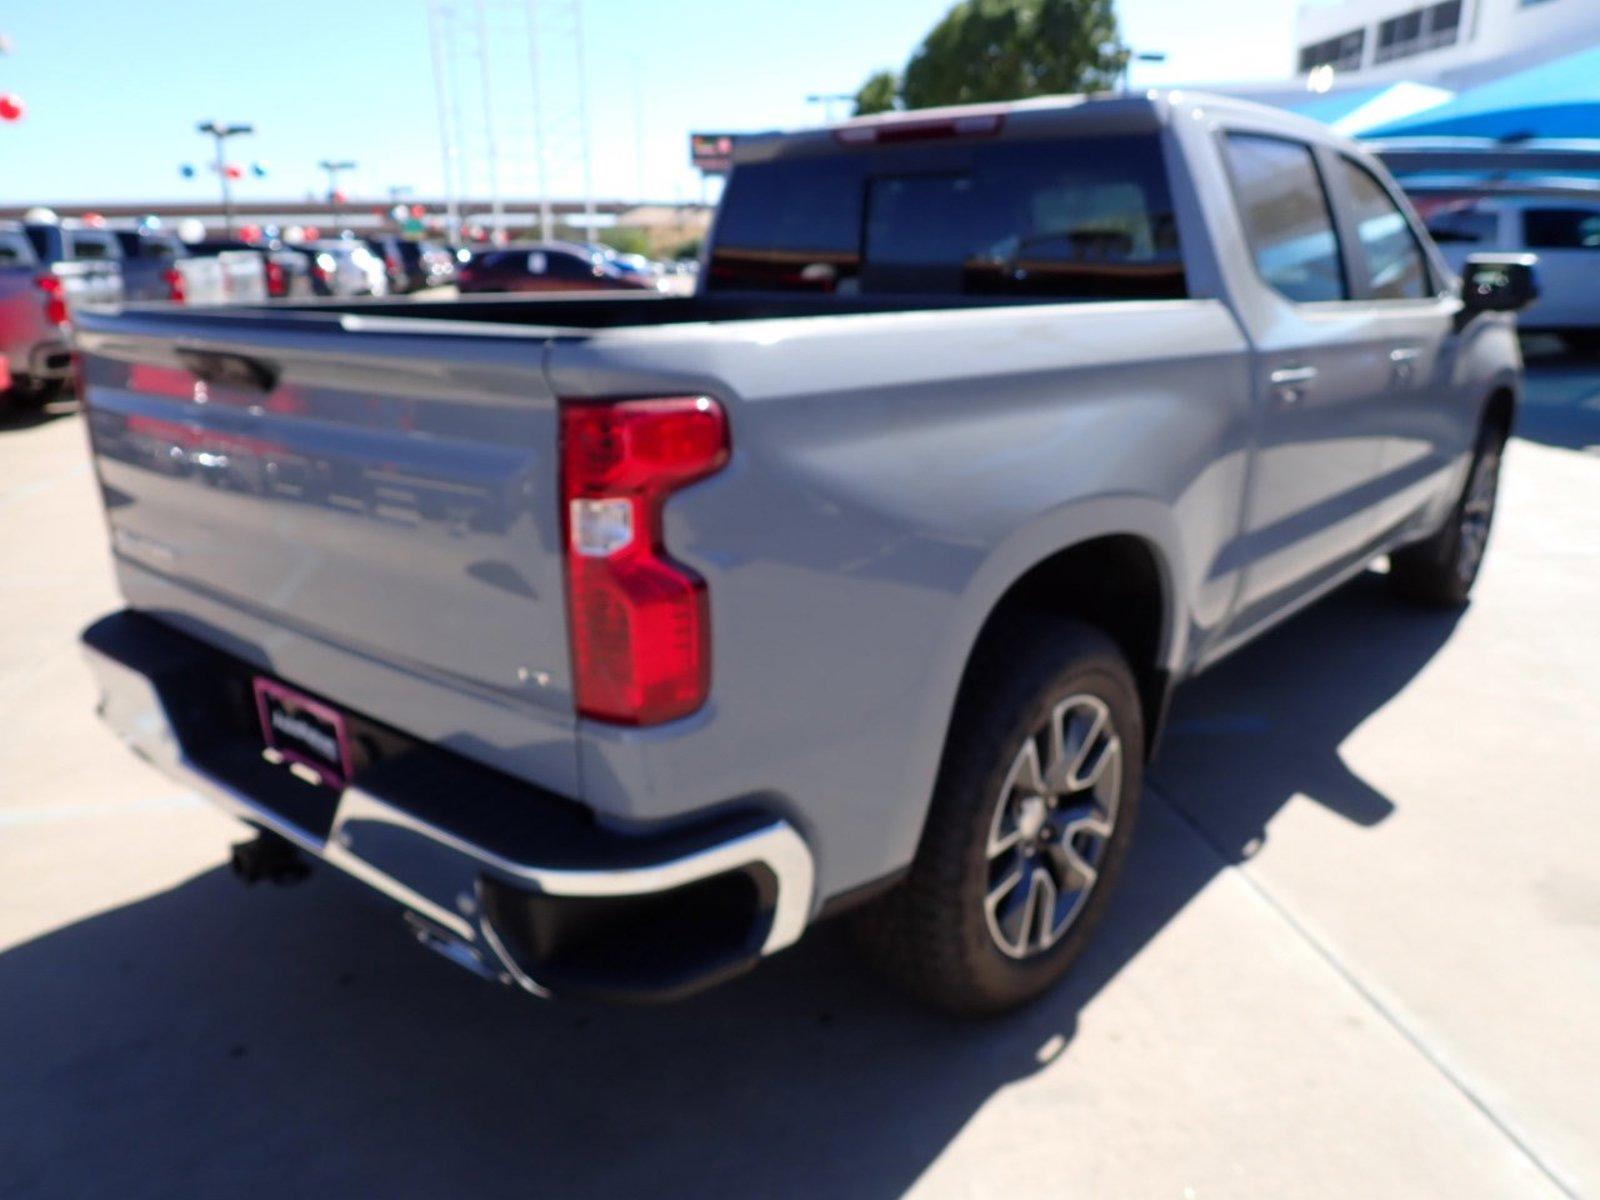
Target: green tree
{"x": 880, "y": 93}
{"x": 625, "y": 240}
{"x": 986, "y": 50}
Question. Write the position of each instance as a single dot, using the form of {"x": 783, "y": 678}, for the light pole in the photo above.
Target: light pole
{"x": 220, "y": 134}
{"x": 333, "y": 167}
{"x": 828, "y": 100}
{"x": 1133, "y": 56}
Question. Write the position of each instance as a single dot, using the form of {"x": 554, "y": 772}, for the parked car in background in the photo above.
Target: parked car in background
{"x": 72, "y": 241}
{"x": 1563, "y": 232}
{"x": 150, "y": 264}
{"x": 39, "y": 288}
{"x": 414, "y": 265}
{"x": 543, "y": 267}
{"x": 287, "y": 271}
{"x": 387, "y": 251}
{"x": 427, "y": 264}
{"x": 346, "y": 267}
{"x": 635, "y": 266}
{"x": 625, "y": 639}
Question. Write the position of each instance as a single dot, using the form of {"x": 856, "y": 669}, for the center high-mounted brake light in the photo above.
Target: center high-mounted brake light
{"x": 880, "y": 132}
{"x": 640, "y": 622}
{"x": 55, "y": 303}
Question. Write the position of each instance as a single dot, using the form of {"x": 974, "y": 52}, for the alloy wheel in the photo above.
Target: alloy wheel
{"x": 1053, "y": 820}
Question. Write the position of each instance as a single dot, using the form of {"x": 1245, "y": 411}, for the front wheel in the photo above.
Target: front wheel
{"x": 1031, "y": 819}
{"x": 1440, "y": 571}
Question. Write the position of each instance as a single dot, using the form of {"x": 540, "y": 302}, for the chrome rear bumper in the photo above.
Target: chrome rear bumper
{"x": 441, "y": 874}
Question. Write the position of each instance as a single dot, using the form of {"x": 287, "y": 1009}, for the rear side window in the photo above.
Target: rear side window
{"x": 1561, "y": 228}
{"x": 791, "y": 225}
{"x": 570, "y": 266}
{"x": 1085, "y": 219}
{"x": 15, "y": 251}
{"x": 1395, "y": 267}
{"x": 46, "y": 241}
{"x": 93, "y": 246}
{"x": 1464, "y": 225}
{"x": 1286, "y": 217}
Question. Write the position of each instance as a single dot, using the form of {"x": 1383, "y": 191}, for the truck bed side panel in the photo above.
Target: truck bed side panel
{"x": 892, "y": 475}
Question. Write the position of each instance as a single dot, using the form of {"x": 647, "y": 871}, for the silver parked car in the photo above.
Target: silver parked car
{"x": 346, "y": 267}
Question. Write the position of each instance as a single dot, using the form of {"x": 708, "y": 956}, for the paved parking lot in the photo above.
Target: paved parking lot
{"x": 1357, "y": 953}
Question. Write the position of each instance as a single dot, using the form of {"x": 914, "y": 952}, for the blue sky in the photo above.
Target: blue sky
{"x": 114, "y": 89}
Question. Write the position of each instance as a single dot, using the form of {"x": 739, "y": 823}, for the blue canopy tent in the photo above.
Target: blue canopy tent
{"x": 1557, "y": 99}
{"x": 1354, "y": 111}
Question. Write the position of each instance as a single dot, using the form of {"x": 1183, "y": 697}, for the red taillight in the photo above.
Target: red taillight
{"x": 55, "y": 304}
{"x": 277, "y": 279}
{"x": 640, "y": 622}
{"x": 173, "y": 278}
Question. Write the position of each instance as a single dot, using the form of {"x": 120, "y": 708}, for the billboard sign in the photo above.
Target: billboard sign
{"x": 711, "y": 152}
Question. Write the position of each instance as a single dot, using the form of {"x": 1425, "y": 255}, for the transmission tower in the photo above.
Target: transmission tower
{"x": 512, "y": 91}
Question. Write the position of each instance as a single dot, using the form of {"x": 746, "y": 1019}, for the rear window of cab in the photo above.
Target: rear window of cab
{"x": 1085, "y": 218}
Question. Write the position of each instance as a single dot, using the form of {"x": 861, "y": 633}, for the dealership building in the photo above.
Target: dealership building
{"x": 1449, "y": 43}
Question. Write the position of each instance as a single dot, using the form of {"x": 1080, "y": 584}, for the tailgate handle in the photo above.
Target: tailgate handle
{"x": 229, "y": 370}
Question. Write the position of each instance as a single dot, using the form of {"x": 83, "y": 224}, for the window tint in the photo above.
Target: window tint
{"x": 1395, "y": 268}
{"x": 47, "y": 241}
{"x": 142, "y": 245}
{"x": 1464, "y": 225}
{"x": 1087, "y": 219}
{"x": 790, "y": 225}
{"x": 570, "y": 266}
{"x": 14, "y": 250}
{"x": 93, "y": 246}
{"x": 1286, "y": 217}
{"x": 1561, "y": 228}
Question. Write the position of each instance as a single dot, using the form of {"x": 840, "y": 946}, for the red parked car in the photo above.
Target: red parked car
{"x": 543, "y": 267}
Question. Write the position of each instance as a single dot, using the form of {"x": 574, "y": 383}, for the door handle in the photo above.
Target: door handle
{"x": 1289, "y": 384}
{"x": 1285, "y": 376}
{"x": 1403, "y": 363}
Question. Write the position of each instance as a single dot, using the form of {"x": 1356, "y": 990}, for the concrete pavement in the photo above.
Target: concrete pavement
{"x": 1358, "y": 952}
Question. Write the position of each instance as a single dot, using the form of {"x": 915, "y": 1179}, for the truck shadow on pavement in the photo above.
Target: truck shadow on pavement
{"x": 210, "y": 1040}
{"x": 28, "y": 416}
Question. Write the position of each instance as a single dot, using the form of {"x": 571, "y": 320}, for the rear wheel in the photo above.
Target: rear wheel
{"x": 1441, "y": 571}
{"x": 1030, "y": 822}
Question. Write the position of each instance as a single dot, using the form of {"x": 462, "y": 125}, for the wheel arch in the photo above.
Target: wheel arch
{"x": 1500, "y": 409}
{"x": 1120, "y": 583}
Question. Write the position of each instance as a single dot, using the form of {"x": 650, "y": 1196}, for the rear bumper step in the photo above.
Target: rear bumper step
{"x": 498, "y": 875}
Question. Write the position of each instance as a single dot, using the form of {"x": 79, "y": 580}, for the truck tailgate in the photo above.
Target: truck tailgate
{"x": 366, "y": 509}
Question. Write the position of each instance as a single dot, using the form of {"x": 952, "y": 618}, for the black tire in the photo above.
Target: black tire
{"x": 934, "y": 933}
{"x": 1440, "y": 571}
{"x": 27, "y": 395}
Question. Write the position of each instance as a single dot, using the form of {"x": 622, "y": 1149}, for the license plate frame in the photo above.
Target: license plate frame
{"x": 286, "y": 730}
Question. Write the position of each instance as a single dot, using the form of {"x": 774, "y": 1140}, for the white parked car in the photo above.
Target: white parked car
{"x": 345, "y": 267}
{"x": 1565, "y": 234}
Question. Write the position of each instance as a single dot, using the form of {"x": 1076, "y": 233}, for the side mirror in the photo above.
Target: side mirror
{"x": 1498, "y": 283}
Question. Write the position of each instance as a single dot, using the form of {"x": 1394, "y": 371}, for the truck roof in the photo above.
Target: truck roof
{"x": 1039, "y": 116}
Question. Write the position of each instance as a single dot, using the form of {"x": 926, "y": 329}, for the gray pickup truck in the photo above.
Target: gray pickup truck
{"x": 45, "y": 272}
{"x": 619, "y": 639}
